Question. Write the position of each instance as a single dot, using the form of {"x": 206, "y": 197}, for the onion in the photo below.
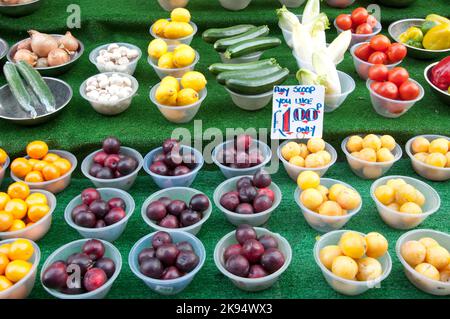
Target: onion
{"x": 42, "y": 63}
{"x": 25, "y": 55}
{"x": 57, "y": 57}
{"x": 42, "y": 43}
{"x": 25, "y": 44}
{"x": 69, "y": 42}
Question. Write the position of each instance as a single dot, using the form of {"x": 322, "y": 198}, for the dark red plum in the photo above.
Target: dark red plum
{"x": 247, "y": 194}
{"x": 127, "y": 165}
{"x": 99, "y": 158}
{"x": 152, "y": 267}
{"x": 114, "y": 216}
{"x": 244, "y": 209}
{"x": 82, "y": 260}
{"x": 242, "y": 160}
{"x": 112, "y": 161}
{"x": 199, "y": 203}
{"x": 169, "y": 221}
{"x": 171, "y": 272}
{"x": 111, "y": 145}
{"x": 235, "y": 249}
{"x": 186, "y": 261}
{"x": 190, "y": 217}
{"x": 268, "y": 192}
{"x": 272, "y": 260}
{"x": 262, "y": 179}
{"x": 255, "y": 158}
{"x": 169, "y": 144}
{"x": 245, "y": 232}
{"x": 89, "y": 195}
{"x": 94, "y": 248}
{"x": 184, "y": 245}
{"x": 159, "y": 158}
{"x": 78, "y": 209}
{"x": 244, "y": 182}
{"x": 252, "y": 249}
{"x": 100, "y": 223}
{"x": 167, "y": 254}
{"x": 230, "y": 201}
{"x": 99, "y": 208}
{"x": 243, "y": 142}
{"x": 257, "y": 271}
{"x": 173, "y": 159}
{"x": 268, "y": 241}
{"x": 176, "y": 207}
{"x": 85, "y": 219}
{"x": 262, "y": 203}
{"x": 107, "y": 265}
{"x": 145, "y": 254}
{"x": 95, "y": 169}
{"x": 181, "y": 170}
{"x": 161, "y": 238}
{"x": 55, "y": 276}
{"x": 156, "y": 210}
{"x": 159, "y": 168}
{"x": 94, "y": 279}
{"x": 165, "y": 200}
{"x": 105, "y": 173}
{"x": 117, "y": 202}
{"x": 189, "y": 160}
{"x": 238, "y": 265}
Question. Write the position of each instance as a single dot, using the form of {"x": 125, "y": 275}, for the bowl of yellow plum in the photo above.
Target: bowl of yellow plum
{"x": 404, "y": 202}
{"x": 371, "y": 156}
{"x": 327, "y": 204}
{"x": 306, "y": 154}
{"x": 424, "y": 254}
{"x": 353, "y": 262}
{"x": 430, "y": 156}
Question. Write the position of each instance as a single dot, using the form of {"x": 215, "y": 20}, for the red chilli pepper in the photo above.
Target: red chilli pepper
{"x": 440, "y": 74}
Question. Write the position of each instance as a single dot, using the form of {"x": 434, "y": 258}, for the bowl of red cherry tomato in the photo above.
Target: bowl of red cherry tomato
{"x": 363, "y": 25}
{"x": 379, "y": 50}
{"x": 392, "y": 91}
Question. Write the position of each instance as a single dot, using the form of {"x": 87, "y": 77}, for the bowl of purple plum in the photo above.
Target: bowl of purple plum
{"x": 100, "y": 213}
{"x": 82, "y": 269}
{"x": 252, "y": 258}
{"x": 114, "y": 166}
{"x": 177, "y": 208}
{"x": 248, "y": 199}
{"x": 173, "y": 164}
{"x": 167, "y": 262}
{"x": 242, "y": 155}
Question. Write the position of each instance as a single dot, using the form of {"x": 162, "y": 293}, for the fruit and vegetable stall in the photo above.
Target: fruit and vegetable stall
{"x": 94, "y": 183}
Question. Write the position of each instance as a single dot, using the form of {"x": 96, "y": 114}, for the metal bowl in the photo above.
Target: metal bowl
{"x": 442, "y": 95}
{"x": 19, "y": 10}
{"x": 396, "y": 3}
{"x": 3, "y": 49}
{"x": 52, "y": 70}
{"x": 11, "y": 111}
{"x": 400, "y": 26}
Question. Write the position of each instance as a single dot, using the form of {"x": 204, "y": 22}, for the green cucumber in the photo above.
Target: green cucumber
{"x": 18, "y": 89}
{"x": 212, "y": 35}
{"x": 217, "y": 68}
{"x": 251, "y": 46}
{"x": 257, "y": 85}
{"x": 222, "y": 44}
{"x": 247, "y": 74}
{"x": 38, "y": 85}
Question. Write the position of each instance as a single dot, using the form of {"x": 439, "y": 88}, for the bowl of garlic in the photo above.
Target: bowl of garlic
{"x": 116, "y": 57}
{"x": 109, "y": 93}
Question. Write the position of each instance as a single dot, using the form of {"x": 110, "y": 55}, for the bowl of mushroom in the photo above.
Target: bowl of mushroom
{"x": 116, "y": 57}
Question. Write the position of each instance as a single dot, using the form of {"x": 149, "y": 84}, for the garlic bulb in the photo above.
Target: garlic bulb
{"x": 42, "y": 43}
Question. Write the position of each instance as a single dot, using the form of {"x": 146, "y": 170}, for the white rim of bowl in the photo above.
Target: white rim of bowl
{"x": 105, "y": 46}
{"x": 120, "y": 193}
{"x": 19, "y": 4}
{"x": 381, "y": 181}
{"x": 347, "y": 153}
{"x": 159, "y": 194}
{"x": 244, "y": 280}
{"x": 377, "y": 29}
{"x": 356, "y": 45}
{"x": 421, "y": 94}
{"x": 20, "y": 232}
{"x": 368, "y": 283}
{"x": 192, "y": 65}
{"x": 194, "y": 26}
{"x": 202, "y": 96}
{"x": 191, "y": 274}
{"x": 65, "y": 155}
{"x": 411, "y": 156}
{"x": 249, "y": 96}
{"x": 425, "y": 75}
{"x": 403, "y": 261}
{"x": 350, "y": 213}
{"x": 89, "y": 294}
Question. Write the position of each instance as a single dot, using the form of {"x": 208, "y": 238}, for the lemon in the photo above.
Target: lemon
{"x": 183, "y": 57}
{"x": 159, "y": 27}
{"x": 187, "y": 97}
{"x": 180, "y": 47}
{"x": 166, "y": 61}
{"x": 171, "y": 82}
{"x": 176, "y": 30}
{"x": 166, "y": 95}
{"x": 180, "y": 15}
{"x": 193, "y": 80}
{"x": 157, "y": 48}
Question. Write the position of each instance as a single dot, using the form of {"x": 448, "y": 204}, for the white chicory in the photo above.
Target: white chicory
{"x": 287, "y": 19}
{"x": 311, "y": 11}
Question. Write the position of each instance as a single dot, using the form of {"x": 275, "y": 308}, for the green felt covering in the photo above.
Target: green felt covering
{"x": 79, "y": 129}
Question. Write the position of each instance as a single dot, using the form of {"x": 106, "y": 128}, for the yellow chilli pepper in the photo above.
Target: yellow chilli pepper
{"x": 438, "y": 38}
{"x": 437, "y": 18}
{"x": 413, "y": 34}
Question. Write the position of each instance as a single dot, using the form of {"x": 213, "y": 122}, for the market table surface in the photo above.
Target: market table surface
{"x": 79, "y": 129}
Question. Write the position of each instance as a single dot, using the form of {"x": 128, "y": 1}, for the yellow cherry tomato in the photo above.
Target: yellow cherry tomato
{"x": 5, "y": 283}
{"x": 63, "y": 165}
{"x": 17, "y": 207}
{"x": 4, "y": 198}
{"x": 18, "y": 190}
{"x": 4, "y": 249}
{"x": 36, "y": 212}
{"x": 17, "y": 224}
{"x": 4, "y": 261}
{"x": 21, "y": 249}
{"x": 51, "y": 157}
{"x": 20, "y": 167}
{"x": 17, "y": 269}
{"x": 51, "y": 172}
{"x": 37, "y": 149}
{"x": 36, "y": 198}
{"x": 34, "y": 177}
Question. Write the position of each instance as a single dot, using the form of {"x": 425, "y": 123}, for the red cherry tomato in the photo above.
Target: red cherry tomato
{"x": 344, "y": 21}
{"x": 375, "y": 86}
{"x": 380, "y": 42}
{"x": 363, "y": 51}
{"x": 378, "y": 72}
{"x": 359, "y": 15}
{"x": 364, "y": 28}
{"x": 372, "y": 21}
{"x": 396, "y": 52}
{"x": 398, "y": 75}
{"x": 409, "y": 90}
{"x": 388, "y": 90}
{"x": 378, "y": 58}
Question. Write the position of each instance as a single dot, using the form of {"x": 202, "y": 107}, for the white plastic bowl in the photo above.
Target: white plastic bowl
{"x": 22, "y": 288}
{"x": 423, "y": 283}
{"x": 169, "y": 5}
{"x": 126, "y": 68}
{"x": 56, "y": 185}
{"x": 124, "y": 182}
{"x": 252, "y": 284}
{"x": 236, "y": 219}
{"x": 333, "y": 101}
{"x": 175, "y": 193}
{"x": 178, "y": 114}
{"x": 235, "y": 5}
{"x": 293, "y": 170}
{"x": 404, "y": 221}
{"x": 370, "y": 170}
{"x": 292, "y": 3}
{"x": 362, "y": 67}
{"x": 3, "y": 169}
{"x": 242, "y": 59}
{"x": 230, "y": 172}
{"x": 109, "y": 233}
{"x": 392, "y": 108}
{"x": 358, "y": 38}
{"x": 63, "y": 252}
{"x": 323, "y": 223}
{"x": 111, "y": 108}
{"x": 433, "y": 173}
{"x": 345, "y": 286}
{"x": 177, "y": 72}
{"x": 172, "y": 286}
{"x": 184, "y": 40}
{"x": 173, "y": 181}
{"x": 250, "y": 102}
{"x": 340, "y": 3}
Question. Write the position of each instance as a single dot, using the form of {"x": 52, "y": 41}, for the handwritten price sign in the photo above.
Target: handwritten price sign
{"x": 297, "y": 111}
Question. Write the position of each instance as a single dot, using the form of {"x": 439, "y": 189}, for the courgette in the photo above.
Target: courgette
{"x": 258, "y": 85}
{"x": 212, "y": 35}
{"x": 247, "y": 74}
{"x": 222, "y": 44}
{"x": 18, "y": 89}
{"x": 38, "y": 85}
{"x": 217, "y": 68}
{"x": 251, "y": 46}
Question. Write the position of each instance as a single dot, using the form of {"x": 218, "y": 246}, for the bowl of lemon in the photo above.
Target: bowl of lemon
{"x": 178, "y": 29}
